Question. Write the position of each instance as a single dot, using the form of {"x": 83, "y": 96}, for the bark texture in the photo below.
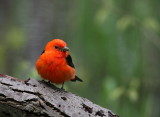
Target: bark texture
{"x": 34, "y": 98}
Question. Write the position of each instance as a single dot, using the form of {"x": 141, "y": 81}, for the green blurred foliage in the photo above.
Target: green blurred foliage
{"x": 115, "y": 46}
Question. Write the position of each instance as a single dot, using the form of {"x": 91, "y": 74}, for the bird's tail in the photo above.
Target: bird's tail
{"x": 77, "y": 79}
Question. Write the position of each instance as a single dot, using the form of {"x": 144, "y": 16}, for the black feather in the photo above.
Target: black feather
{"x": 77, "y": 79}
{"x": 42, "y": 52}
{"x": 69, "y": 61}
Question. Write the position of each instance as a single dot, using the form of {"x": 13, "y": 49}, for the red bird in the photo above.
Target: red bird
{"x": 55, "y": 63}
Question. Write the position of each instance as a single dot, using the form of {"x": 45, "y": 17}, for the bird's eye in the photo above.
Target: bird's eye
{"x": 56, "y": 47}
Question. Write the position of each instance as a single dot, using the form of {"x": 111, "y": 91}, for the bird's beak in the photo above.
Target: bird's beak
{"x": 65, "y": 49}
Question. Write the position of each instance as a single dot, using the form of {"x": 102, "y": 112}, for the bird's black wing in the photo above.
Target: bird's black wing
{"x": 70, "y": 63}
{"x": 42, "y": 52}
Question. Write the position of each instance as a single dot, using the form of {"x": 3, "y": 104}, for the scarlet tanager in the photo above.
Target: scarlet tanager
{"x": 55, "y": 64}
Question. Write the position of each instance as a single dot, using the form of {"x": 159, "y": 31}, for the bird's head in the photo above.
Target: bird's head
{"x": 57, "y": 45}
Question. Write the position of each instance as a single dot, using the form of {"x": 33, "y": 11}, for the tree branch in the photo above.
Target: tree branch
{"x": 34, "y": 98}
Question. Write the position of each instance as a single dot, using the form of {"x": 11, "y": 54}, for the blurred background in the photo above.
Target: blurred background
{"x": 115, "y": 46}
